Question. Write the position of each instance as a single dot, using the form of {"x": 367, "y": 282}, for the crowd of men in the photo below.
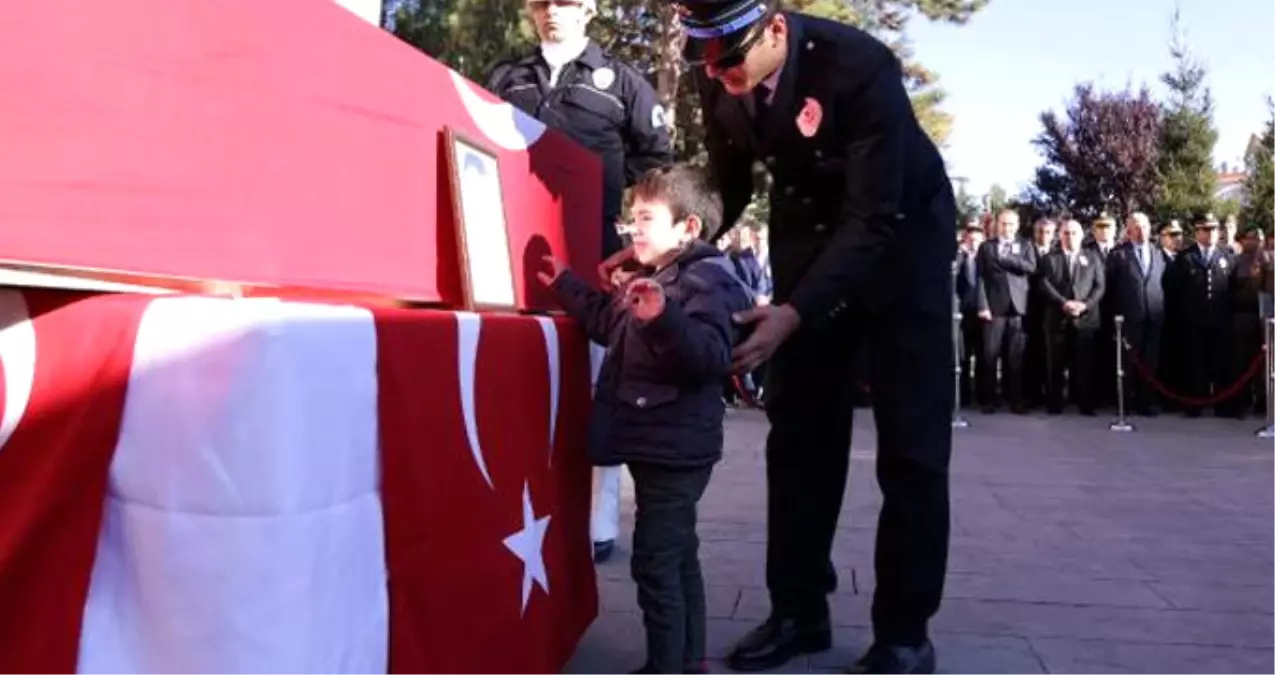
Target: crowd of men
{"x": 1038, "y": 315}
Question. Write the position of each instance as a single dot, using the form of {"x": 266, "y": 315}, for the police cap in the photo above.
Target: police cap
{"x": 1205, "y": 221}
{"x": 720, "y": 32}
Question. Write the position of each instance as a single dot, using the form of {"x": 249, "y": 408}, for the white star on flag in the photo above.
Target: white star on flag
{"x": 528, "y": 545}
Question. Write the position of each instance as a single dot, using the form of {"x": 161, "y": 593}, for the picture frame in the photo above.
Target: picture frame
{"x": 482, "y": 230}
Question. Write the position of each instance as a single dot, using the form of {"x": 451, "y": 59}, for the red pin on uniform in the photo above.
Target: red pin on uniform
{"x": 809, "y": 118}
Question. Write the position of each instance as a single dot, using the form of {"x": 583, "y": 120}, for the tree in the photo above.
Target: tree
{"x": 1187, "y": 136}
{"x": 1101, "y": 156}
{"x": 967, "y": 206}
{"x": 996, "y": 198}
{"x": 1260, "y": 181}
{"x": 469, "y": 36}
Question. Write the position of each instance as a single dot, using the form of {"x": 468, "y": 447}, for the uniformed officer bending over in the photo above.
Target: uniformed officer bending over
{"x": 862, "y": 235}
{"x": 572, "y": 85}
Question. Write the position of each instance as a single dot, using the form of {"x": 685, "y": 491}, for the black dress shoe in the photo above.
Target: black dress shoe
{"x": 776, "y": 642}
{"x": 602, "y": 550}
{"x": 896, "y": 659}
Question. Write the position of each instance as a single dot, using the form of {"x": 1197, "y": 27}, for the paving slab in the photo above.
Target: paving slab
{"x": 1074, "y": 549}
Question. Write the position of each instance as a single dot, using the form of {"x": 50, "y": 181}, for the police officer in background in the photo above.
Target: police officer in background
{"x": 862, "y": 237}
{"x": 572, "y": 85}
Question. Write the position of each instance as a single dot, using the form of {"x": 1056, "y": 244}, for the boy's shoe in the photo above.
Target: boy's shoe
{"x": 602, "y": 550}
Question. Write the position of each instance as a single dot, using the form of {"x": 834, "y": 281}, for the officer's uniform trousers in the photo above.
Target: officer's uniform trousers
{"x": 809, "y": 404}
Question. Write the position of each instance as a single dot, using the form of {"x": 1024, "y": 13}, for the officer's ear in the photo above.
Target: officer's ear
{"x": 778, "y": 27}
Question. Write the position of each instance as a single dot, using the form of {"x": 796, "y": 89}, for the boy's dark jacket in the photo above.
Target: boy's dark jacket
{"x": 658, "y": 398}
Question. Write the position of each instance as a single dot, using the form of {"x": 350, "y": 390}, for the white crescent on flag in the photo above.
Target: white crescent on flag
{"x": 502, "y": 124}
{"x": 468, "y": 327}
{"x": 17, "y": 356}
{"x": 550, "y": 330}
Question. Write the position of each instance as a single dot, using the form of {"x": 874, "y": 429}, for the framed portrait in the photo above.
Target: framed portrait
{"x": 482, "y": 233}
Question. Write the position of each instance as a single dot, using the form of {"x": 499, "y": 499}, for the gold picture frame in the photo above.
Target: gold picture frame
{"x": 482, "y": 226}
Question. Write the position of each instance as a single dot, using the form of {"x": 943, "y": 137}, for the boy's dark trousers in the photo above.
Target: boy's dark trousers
{"x": 665, "y": 564}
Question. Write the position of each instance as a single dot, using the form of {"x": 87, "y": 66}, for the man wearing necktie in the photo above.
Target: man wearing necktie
{"x": 1135, "y": 271}
{"x": 1044, "y": 238}
{"x": 1198, "y": 285}
{"x": 1103, "y": 241}
{"x": 862, "y": 238}
{"x": 1073, "y": 282}
{"x": 971, "y": 336}
{"x": 1005, "y": 268}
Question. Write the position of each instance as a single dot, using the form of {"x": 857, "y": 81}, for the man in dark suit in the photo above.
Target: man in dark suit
{"x": 1135, "y": 269}
{"x": 1044, "y": 238}
{"x": 1102, "y": 241}
{"x": 862, "y": 240}
{"x": 1005, "y": 268}
{"x": 971, "y": 334}
{"x": 1072, "y": 284}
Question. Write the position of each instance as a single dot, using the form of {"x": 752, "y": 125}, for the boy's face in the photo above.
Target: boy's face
{"x": 655, "y": 235}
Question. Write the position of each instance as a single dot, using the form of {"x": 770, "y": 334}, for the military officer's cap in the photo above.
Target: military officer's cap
{"x": 1172, "y": 228}
{"x": 973, "y": 225}
{"x": 1104, "y": 220}
{"x": 1205, "y": 220}
{"x": 719, "y": 31}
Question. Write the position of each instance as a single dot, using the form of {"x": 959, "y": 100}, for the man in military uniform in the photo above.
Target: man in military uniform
{"x": 572, "y": 85}
{"x": 862, "y": 236}
{"x": 1198, "y": 283}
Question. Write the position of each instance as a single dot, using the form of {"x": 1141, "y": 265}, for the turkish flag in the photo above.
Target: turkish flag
{"x": 66, "y": 366}
{"x": 479, "y": 577}
{"x": 197, "y": 484}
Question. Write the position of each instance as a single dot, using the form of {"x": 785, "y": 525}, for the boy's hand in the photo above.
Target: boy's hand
{"x": 645, "y": 299}
{"x": 620, "y": 277}
{"x": 611, "y": 264}
{"x": 555, "y": 265}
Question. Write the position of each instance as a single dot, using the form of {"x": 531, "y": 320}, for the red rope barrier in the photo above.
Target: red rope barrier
{"x": 1216, "y": 398}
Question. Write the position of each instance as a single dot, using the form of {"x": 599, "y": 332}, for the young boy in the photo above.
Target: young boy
{"x": 658, "y": 402}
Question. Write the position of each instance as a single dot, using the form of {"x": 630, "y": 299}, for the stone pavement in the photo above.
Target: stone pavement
{"x": 1074, "y": 549}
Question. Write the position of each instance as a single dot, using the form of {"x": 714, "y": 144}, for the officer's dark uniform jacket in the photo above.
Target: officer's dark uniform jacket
{"x": 601, "y": 103}
{"x": 659, "y": 393}
{"x": 861, "y": 212}
{"x": 1200, "y": 288}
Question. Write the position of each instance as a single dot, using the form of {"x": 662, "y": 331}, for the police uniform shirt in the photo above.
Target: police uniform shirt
{"x": 601, "y": 103}
{"x": 858, "y": 188}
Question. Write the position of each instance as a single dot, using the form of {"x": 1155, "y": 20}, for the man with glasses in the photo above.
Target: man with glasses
{"x": 605, "y": 105}
{"x": 862, "y": 233}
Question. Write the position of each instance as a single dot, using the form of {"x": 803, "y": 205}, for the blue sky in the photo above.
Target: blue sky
{"x": 1017, "y": 58}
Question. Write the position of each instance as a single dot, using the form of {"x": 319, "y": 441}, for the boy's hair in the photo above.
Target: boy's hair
{"x": 686, "y": 191}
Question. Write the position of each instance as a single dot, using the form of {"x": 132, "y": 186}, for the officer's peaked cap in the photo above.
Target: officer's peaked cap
{"x": 717, "y": 28}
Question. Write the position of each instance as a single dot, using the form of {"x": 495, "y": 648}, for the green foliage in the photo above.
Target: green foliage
{"x": 996, "y": 198}
{"x": 1185, "y": 170}
{"x": 1260, "y": 181}
{"x": 967, "y": 205}
{"x": 469, "y": 36}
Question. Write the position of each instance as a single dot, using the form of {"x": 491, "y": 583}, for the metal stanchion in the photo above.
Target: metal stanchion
{"x": 958, "y": 422}
{"x": 1121, "y": 424}
{"x": 1268, "y": 431}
